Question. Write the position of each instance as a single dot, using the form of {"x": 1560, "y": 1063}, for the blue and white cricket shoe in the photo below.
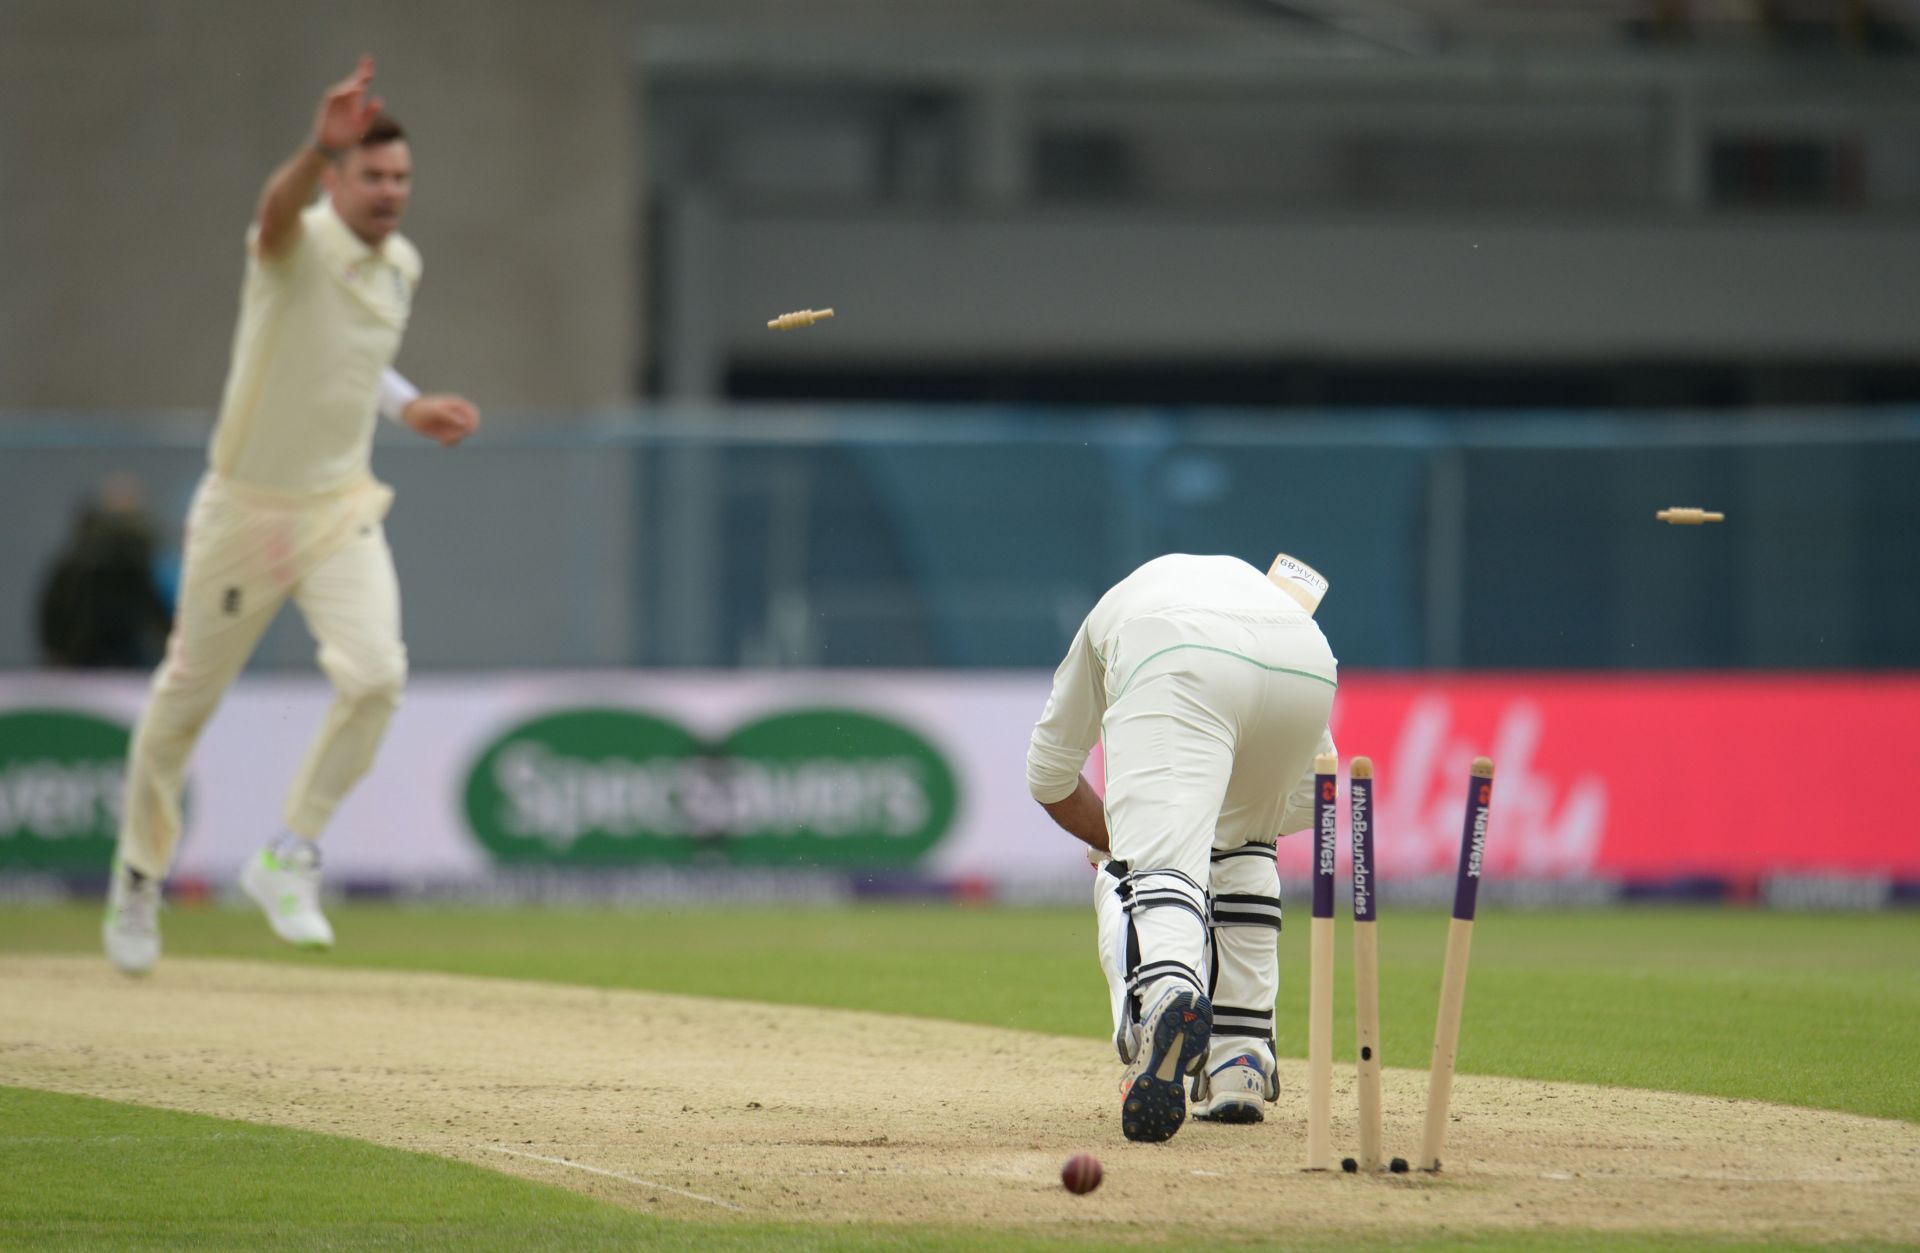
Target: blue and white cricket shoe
{"x": 1234, "y": 1091}
{"x": 1154, "y": 1104}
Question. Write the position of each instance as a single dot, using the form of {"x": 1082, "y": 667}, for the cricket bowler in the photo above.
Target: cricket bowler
{"x": 289, "y": 509}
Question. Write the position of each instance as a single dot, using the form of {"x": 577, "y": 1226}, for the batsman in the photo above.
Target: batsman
{"x": 1209, "y": 685}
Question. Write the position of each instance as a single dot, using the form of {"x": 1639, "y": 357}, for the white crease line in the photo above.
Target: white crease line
{"x": 614, "y": 1174}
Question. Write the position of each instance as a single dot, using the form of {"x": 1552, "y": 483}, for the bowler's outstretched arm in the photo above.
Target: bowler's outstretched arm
{"x": 345, "y": 113}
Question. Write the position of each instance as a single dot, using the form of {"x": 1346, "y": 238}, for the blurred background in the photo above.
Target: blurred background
{"x": 1444, "y": 297}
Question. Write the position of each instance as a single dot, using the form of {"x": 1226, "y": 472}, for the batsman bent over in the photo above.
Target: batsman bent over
{"x": 1210, "y": 686}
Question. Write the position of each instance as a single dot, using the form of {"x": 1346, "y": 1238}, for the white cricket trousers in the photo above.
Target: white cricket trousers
{"x": 247, "y": 553}
{"x": 1214, "y": 726}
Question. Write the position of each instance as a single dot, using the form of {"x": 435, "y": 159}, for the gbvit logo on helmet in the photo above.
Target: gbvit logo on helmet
{"x": 614, "y": 786}
{"x": 62, "y": 774}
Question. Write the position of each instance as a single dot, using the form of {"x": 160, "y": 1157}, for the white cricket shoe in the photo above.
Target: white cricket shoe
{"x": 1234, "y": 1091}
{"x": 131, "y": 930}
{"x": 286, "y": 886}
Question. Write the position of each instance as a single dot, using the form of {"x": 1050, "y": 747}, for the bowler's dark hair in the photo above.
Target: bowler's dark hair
{"x": 385, "y": 130}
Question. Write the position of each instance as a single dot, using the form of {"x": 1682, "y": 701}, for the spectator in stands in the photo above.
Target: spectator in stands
{"x": 101, "y": 606}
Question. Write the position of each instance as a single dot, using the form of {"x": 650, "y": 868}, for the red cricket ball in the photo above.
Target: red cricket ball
{"x": 1081, "y": 1174}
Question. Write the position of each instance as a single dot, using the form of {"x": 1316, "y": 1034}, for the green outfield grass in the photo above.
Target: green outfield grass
{"x": 81, "y": 1173}
{"x": 1807, "y": 1009}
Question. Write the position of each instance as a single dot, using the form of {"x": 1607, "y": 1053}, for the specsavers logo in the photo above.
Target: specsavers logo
{"x": 61, "y": 778}
{"x": 825, "y": 787}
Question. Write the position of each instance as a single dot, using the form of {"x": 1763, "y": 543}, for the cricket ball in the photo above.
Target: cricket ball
{"x": 1080, "y": 1174}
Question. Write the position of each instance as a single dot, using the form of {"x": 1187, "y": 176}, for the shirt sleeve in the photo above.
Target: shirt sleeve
{"x": 1069, "y": 726}
{"x": 1298, "y": 814}
{"x": 396, "y": 393}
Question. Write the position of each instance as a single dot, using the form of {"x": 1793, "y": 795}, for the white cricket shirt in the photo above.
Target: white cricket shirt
{"x": 317, "y": 326}
{"x": 1188, "y": 597}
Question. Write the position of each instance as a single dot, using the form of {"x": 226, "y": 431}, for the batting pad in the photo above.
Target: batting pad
{"x": 1245, "y": 959}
